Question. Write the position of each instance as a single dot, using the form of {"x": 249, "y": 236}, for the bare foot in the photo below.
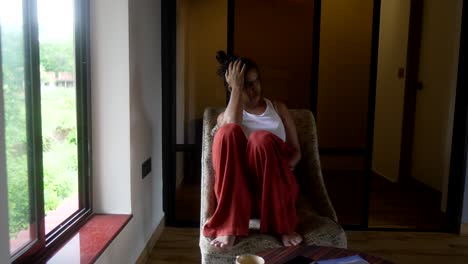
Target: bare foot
{"x": 223, "y": 242}
{"x": 293, "y": 239}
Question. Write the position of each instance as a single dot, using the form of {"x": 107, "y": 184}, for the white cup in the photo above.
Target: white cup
{"x": 249, "y": 259}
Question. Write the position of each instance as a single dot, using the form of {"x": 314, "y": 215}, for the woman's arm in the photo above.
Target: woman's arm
{"x": 291, "y": 134}
{"x": 235, "y": 78}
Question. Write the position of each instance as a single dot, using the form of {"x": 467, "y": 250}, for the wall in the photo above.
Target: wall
{"x": 435, "y": 103}
{"x": 393, "y": 43}
{"x": 126, "y": 79}
{"x": 111, "y": 106}
{"x": 202, "y": 30}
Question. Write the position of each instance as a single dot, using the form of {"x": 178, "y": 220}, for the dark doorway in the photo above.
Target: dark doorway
{"x": 413, "y": 117}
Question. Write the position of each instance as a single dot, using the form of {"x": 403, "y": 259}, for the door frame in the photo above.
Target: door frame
{"x": 409, "y": 105}
{"x": 371, "y": 112}
{"x": 459, "y": 152}
{"x": 168, "y": 70}
{"x": 459, "y": 148}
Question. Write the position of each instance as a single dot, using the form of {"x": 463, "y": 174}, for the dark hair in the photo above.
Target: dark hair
{"x": 224, "y": 60}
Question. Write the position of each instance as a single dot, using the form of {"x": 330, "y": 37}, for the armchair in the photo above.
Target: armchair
{"x": 317, "y": 220}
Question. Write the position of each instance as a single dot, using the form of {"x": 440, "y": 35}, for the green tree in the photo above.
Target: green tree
{"x": 12, "y": 59}
{"x": 57, "y": 57}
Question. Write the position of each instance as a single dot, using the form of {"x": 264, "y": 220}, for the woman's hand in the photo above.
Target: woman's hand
{"x": 235, "y": 78}
{"x": 235, "y": 75}
{"x": 291, "y": 135}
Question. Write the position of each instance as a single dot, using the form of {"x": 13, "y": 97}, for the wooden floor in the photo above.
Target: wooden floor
{"x": 391, "y": 205}
{"x": 180, "y": 245}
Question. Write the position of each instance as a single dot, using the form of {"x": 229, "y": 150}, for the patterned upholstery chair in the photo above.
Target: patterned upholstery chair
{"x": 317, "y": 220}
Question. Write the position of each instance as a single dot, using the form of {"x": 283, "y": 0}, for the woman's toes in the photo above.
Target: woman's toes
{"x": 223, "y": 242}
{"x": 286, "y": 241}
{"x": 297, "y": 240}
{"x": 293, "y": 239}
{"x": 215, "y": 243}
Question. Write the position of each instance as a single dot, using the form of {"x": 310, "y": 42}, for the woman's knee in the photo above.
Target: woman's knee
{"x": 228, "y": 132}
{"x": 261, "y": 138}
{"x": 229, "y": 129}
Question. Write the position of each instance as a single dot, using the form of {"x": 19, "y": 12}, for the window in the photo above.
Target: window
{"x": 44, "y": 83}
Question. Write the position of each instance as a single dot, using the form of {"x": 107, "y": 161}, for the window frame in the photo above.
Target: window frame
{"x": 45, "y": 245}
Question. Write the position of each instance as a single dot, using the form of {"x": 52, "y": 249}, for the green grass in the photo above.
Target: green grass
{"x": 60, "y": 150}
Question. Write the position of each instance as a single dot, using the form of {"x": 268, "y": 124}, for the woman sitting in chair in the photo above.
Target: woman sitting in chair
{"x": 255, "y": 151}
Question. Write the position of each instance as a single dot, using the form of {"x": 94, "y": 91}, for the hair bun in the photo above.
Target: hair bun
{"x": 221, "y": 57}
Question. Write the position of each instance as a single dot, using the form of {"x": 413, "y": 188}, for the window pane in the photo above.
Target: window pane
{"x": 58, "y": 102}
{"x": 21, "y": 225}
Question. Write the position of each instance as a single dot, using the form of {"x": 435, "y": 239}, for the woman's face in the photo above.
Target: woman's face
{"x": 252, "y": 88}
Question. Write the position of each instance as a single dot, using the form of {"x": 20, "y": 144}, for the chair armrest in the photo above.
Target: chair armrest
{"x": 208, "y": 202}
{"x": 308, "y": 171}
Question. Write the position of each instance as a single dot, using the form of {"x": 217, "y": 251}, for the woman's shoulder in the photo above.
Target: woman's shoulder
{"x": 278, "y": 105}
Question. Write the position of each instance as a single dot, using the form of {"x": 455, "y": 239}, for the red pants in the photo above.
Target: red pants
{"x": 251, "y": 176}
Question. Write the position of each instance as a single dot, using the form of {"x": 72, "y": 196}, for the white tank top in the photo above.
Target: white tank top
{"x": 268, "y": 120}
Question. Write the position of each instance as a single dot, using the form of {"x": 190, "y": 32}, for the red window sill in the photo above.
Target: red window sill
{"x": 91, "y": 239}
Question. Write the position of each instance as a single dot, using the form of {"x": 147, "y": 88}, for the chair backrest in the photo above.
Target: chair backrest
{"x": 308, "y": 171}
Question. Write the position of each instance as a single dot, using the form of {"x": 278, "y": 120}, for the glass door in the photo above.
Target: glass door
{"x": 201, "y": 30}
{"x": 317, "y": 55}
{"x": 344, "y": 105}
